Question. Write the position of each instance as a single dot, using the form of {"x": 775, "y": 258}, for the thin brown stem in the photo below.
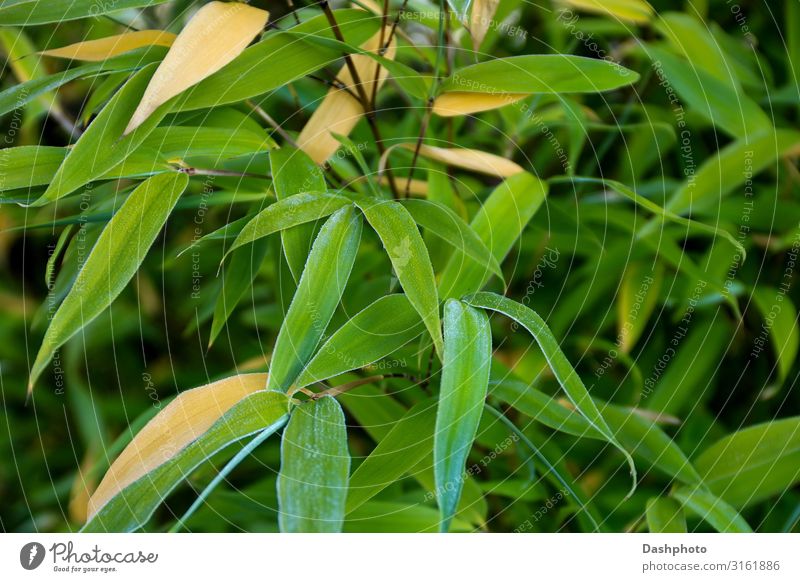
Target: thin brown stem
{"x": 422, "y": 131}
{"x": 212, "y": 172}
{"x": 274, "y": 124}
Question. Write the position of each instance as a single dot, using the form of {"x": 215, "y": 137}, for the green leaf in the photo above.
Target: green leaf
{"x": 566, "y": 375}
{"x": 278, "y": 59}
{"x": 27, "y": 166}
{"x": 753, "y": 464}
{"x": 409, "y": 256}
{"x": 113, "y": 261}
{"x": 732, "y": 111}
{"x": 103, "y": 146}
{"x": 465, "y": 380}
{"x": 18, "y": 95}
{"x": 33, "y": 12}
{"x": 499, "y": 222}
{"x": 780, "y": 318}
{"x": 713, "y": 510}
{"x": 293, "y": 172}
{"x": 443, "y": 222}
{"x": 665, "y": 515}
{"x": 378, "y": 330}
{"x": 540, "y": 74}
{"x": 289, "y": 212}
{"x": 315, "y": 466}
{"x": 237, "y": 277}
{"x": 318, "y": 293}
{"x": 407, "y": 444}
{"x": 131, "y": 507}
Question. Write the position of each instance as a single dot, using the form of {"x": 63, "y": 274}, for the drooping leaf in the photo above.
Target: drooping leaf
{"x": 113, "y": 261}
{"x": 315, "y": 468}
{"x": 467, "y": 159}
{"x": 780, "y": 317}
{"x": 318, "y": 293}
{"x": 378, "y": 330}
{"x": 409, "y": 256}
{"x": 216, "y": 34}
{"x": 104, "y": 48}
{"x": 189, "y": 430}
{"x": 754, "y": 463}
{"x": 480, "y": 19}
{"x": 465, "y": 380}
{"x": 566, "y": 375}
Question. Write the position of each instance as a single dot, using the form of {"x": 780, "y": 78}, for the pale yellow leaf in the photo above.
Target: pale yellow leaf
{"x": 339, "y": 111}
{"x": 215, "y": 35}
{"x": 474, "y": 160}
{"x": 182, "y": 421}
{"x": 465, "y": 103}
{"x": 480, "y": 19}
{"x": 110, "y": 46}
{"x": 637, "y": 11}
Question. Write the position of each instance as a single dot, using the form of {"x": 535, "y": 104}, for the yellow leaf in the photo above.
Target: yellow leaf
{"x": 480, "y": 19}
{"x": 465, "y": 103}
{"x": 339, "y": 111}
{"x": 637, "y": 11}
{"x": 110, "y": 46}
{"x": 474, "y": 160}
{"x": 182, "y": 421}
{"x": 215, "y": 35}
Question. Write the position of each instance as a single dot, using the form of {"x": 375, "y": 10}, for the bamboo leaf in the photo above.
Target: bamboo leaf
{"x": 113, "y": 261}
{"x": 637, "y": 11}
{"x": 753, "y": 464}
{"x": 711, "y": 509}
{"x": 481, "y": 17}
{"x": 33, "y": 12}
{"x": 317, "y": 296}
{"x": 190, "y": 429}
{"x": 465, "y": 380}
{"x": 409, "y": 256}
{"x": 467, "y": 159}
{"x": 780, "y": 317}
{"x": 104, "y": 48}
{"x": 443, "y": 222}
{"x": 293, "y": 172}
{"x": 315, "y": 468}
{"x": 499, "y": 222}
{"x": 289, "y": 212}
{"x": 216, "y": 34}
{"x": 566, "y": 375}
{"x": 408, "y": 443}
{"x": 377, "y": 331}
{"x": 665, "y": 515}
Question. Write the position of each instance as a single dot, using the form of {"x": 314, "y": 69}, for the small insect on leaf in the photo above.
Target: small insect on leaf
{"x": 215, "y": 35}
{"x": 110, "y": 46}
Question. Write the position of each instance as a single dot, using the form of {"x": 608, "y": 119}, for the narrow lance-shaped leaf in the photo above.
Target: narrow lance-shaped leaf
{"x": 480, "y": 19}
{"x": 215, "y": 35}
{"x": 440, "y": 220}
{"x": 102, "y": 146}
{"x": 465, "y": 381}
{"x": 377, "y": 331}
{"x": 566, "y": 375}
{"x": 32, "y": 12}
{"x": 317, "y": 296}
{"x": 289, "y": 212}
{"x": 293, "y": 172}
{"x": 189, "y": 430}
{"x": 409, "y": 256}
{"x": 113, "y": 261}
{"x": 103, "y": 48}
{"x": 638, "y": 11}
{"x": 315, "y": 468}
